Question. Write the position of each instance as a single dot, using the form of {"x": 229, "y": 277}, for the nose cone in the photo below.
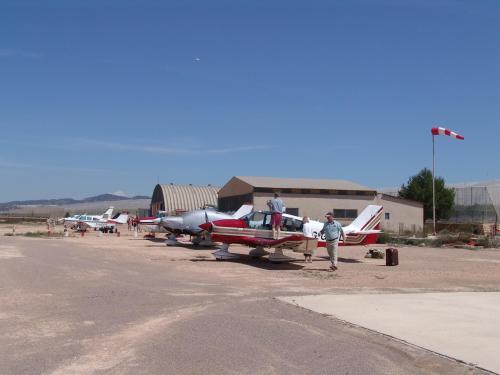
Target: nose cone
{"x": 206, "y": 226}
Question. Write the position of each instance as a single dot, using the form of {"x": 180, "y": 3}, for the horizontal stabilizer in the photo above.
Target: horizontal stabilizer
{"x": 364, "y": 232}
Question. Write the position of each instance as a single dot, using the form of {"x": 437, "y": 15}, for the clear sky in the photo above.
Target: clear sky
{"x": 98, "y": 96}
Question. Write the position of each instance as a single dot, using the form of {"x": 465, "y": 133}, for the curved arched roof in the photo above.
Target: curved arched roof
{"x": 184, "y": 197}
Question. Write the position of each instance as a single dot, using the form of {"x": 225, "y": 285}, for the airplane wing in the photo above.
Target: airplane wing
{"x": 297, "y": 243}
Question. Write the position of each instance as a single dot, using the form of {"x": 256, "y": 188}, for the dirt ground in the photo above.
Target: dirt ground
{"x": 125, "y": 304}
{"x": 419, "y": 267}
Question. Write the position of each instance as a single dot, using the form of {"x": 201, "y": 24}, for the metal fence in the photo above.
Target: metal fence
{"x": 476, "y": 204}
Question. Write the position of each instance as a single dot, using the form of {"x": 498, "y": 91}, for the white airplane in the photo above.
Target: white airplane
{"x": 104, "y": 224}
{"x": 75, "y": 219}
{"x": 255, "y": 230}
{"x": 70, "y": 220}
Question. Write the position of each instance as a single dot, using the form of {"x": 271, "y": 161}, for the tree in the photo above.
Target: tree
{"x": 419, "y": 188}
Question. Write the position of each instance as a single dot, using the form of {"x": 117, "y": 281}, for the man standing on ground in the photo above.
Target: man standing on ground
{"x": 333, "y": 232}
{"x": 308, "y": 231}
{"x": 276, "y": 206}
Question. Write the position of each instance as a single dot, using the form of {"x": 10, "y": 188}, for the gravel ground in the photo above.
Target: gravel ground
{"x": 124, "y": 305}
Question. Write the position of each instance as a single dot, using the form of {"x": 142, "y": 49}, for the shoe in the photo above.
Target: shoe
{"x": 334, "y": 268}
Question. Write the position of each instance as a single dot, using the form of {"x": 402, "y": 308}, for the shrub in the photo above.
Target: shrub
{"x": 384, "y": 237}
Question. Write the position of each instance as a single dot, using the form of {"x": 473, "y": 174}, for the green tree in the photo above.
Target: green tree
{"x": 419, "y": 188}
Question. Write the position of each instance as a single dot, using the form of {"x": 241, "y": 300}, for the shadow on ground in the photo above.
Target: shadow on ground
{"x": 262, "y": 263}
{"x": 343, "y": 260}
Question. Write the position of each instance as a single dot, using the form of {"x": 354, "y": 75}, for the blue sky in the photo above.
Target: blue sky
{"x": 99, "y": 96}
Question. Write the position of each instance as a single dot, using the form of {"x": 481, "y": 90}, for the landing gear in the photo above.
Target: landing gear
{"x": 171, "y": 240}
{"x": 278, "y": 257}
{"x": 224, "y": 254}
{"x": 206, "y": 241}
{"x": 258, "y": 252}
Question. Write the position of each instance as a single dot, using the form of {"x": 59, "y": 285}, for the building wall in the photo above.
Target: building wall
{"x": 401, "y": 215}
{"x": 315, "y": 206}
{"x": 235, "y": 187}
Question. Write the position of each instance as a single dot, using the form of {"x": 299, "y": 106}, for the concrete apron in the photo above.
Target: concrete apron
{"x": 464, "y": 326}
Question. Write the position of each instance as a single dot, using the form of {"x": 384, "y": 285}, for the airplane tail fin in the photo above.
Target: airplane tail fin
{"x": 122, "y": 218}
{"x": 366, "y": 227}
{"x": 243, "y": 210}
{"x": 109, "y": 213}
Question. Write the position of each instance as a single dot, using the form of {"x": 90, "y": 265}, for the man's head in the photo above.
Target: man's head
{"x": 276, "y": 195}
{"x": 305, "y": 219}
{"x": 329, "y": 216}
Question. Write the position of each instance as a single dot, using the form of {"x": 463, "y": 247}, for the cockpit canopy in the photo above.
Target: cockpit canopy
{"x": 262, "y": 220}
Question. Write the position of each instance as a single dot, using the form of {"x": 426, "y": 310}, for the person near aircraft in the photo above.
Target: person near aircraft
{"x": 333, "y": 233}
{"x": 277, "y": 207}
{"x": 308, "y": 231}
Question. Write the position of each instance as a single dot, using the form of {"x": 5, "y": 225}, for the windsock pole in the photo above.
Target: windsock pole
{"x": 438, "y": 131}
{"x": 433, "y": 186}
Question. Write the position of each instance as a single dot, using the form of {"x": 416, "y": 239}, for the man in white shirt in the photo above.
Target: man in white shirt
{"x": 308, "y": 231}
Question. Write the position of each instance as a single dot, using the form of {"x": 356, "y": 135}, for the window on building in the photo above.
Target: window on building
{"x": 292, "y": 211}
{"x": 387, "y": 216}
{"x": 345, "y": 213}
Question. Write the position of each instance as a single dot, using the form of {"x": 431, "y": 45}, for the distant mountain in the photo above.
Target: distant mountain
{"x": 67, "y": 201}
{"x": 110, "y": 197}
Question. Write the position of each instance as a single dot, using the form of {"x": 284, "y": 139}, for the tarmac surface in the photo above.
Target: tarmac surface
{"x": 464, "y": 326}
{"x": 125, "y": 305}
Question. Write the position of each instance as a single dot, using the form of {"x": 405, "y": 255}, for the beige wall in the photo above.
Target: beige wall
{"x": 314, "y": 206}
{"x": 404, "y": 215}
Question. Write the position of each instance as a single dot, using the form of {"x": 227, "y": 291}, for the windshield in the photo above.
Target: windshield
{"x": 258, "y": 220}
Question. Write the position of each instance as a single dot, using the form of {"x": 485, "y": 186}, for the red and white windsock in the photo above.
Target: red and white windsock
{"x": 443, "y": 131}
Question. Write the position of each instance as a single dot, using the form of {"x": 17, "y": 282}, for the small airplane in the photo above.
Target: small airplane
{"x": 70, "y": 220}
{"x": 104, "y": 224}
{"x": 255, "y": 230}
{"x": 189, "y": 223}
{"x": 75, "y": 219}
{"x": 152, "y": 224}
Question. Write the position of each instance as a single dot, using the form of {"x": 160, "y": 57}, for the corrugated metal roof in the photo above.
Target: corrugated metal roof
{"x": 188, "y": 197}
{"x": 302, "y": 183}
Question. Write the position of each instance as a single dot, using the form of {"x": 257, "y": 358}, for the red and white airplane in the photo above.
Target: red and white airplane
{"x": 255, "y": 230}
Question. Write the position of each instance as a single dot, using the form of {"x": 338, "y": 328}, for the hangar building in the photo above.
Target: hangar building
{"x": 173, "y": 198}
{"x": 314, "y": 197}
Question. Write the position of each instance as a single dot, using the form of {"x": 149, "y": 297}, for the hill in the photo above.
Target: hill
{"x": 64, "y": 202}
